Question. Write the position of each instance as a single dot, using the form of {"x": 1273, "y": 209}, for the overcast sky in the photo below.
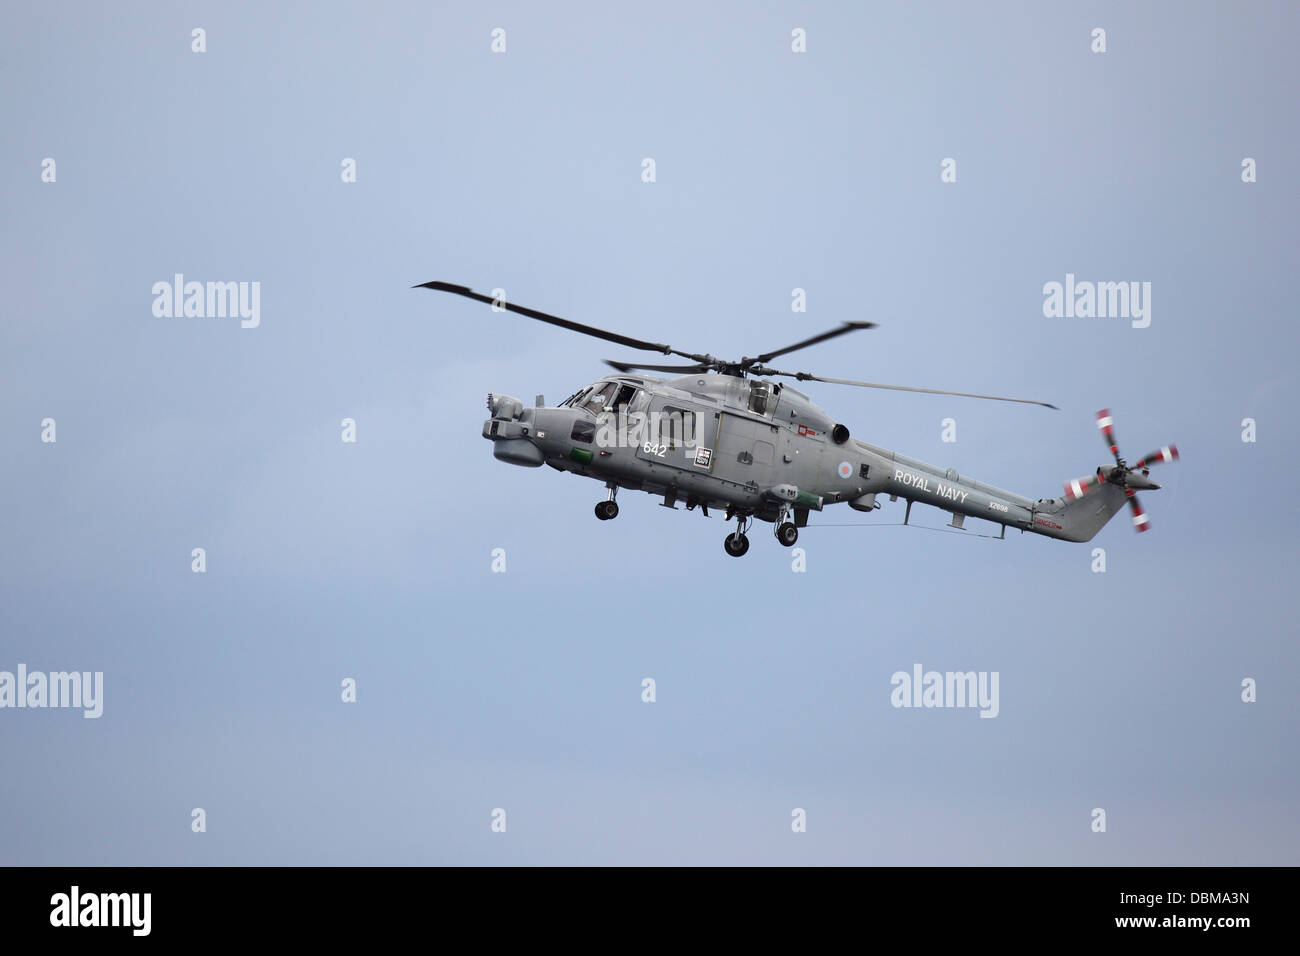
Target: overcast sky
{"x": 522, "y": 170}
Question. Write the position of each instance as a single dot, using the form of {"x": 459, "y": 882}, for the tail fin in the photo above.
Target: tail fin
{"x": 1079, "y": 518}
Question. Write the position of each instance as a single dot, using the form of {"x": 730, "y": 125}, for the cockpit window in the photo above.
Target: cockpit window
{"x": 599, "y": 399}
{"x": 575, "y": 400}
{"x": 596, "y": 398}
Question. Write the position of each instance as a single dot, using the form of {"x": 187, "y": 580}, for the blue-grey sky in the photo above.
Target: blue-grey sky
{"x": 522, "y": 170}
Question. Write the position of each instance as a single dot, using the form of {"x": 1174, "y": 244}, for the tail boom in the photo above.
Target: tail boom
{"x": 1068, "y": 518}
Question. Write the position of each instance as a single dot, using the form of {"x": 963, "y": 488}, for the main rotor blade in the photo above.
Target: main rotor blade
{"x": 556, "y": 320}
{"x": 805, "y": 377}
{"x": 629, "y": 367}
{"x": 830, "y": 334}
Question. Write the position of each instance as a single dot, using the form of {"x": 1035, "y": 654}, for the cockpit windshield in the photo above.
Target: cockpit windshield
{"x": 600, "y": 396}
{"x": 579, "y": 398}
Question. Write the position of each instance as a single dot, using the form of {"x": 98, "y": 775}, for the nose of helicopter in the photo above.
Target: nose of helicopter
{"x": 512, "y": 433}
{"x": 529, "y": 436}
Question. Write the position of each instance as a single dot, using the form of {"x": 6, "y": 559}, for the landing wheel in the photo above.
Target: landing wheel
{"x": 606, "y": 510}
{"x": 787, "y": 534}
{"x": 736, "y": 544}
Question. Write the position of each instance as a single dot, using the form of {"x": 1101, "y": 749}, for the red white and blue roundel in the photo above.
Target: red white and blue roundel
{"x": 846, "y": 470}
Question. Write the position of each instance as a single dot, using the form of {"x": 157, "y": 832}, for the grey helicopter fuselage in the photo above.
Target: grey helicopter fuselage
{"x": 723, "y": 435}
{"x": 758, "y": 449}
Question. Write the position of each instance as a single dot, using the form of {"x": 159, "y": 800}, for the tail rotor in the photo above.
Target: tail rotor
{"x": 1130, "y": 478}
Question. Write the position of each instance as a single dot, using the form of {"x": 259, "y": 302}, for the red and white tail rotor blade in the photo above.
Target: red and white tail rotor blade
{"x": 1079, "y": 487}
{"x": 1140, "y": 520}
{"x": 1165, "y": 455}
{"x": 1107, "y": 426}
{"x": 1122, "y": 474}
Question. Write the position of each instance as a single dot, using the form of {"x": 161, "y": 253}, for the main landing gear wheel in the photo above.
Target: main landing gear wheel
{"x": 787, "y": 533}
{"x": 736, "y": 544}
{"x": 606, "y": 510}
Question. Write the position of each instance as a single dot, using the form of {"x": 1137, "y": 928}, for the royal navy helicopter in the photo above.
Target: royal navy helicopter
{"x": 719, "y": 435}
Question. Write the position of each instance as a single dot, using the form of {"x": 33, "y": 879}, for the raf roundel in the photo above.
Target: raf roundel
{"x": 846, "y": 470}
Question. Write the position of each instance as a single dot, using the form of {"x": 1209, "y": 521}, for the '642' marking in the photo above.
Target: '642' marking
{"x": 655, "y": 449}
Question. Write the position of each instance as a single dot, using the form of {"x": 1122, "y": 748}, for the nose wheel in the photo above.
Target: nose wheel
{"x": 737, "y": 543}
{"x": 607, "y": 509}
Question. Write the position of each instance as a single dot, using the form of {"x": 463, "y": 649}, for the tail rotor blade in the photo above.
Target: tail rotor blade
{"x": 1107, "y": 426}
{"x": 1130, "y": 478}
{"x": 1166, "y": 454}
{"x": 1080, "y": 487}
{"x": 1140, "y": 520}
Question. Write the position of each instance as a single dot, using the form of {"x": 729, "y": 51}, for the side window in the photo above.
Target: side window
{"x": 676, "y": 427}
{"x": 584, "y": 431}
{"x": 625, "y": 395}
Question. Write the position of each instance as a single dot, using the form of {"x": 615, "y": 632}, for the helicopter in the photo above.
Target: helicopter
{"x": 720, "y": 434}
